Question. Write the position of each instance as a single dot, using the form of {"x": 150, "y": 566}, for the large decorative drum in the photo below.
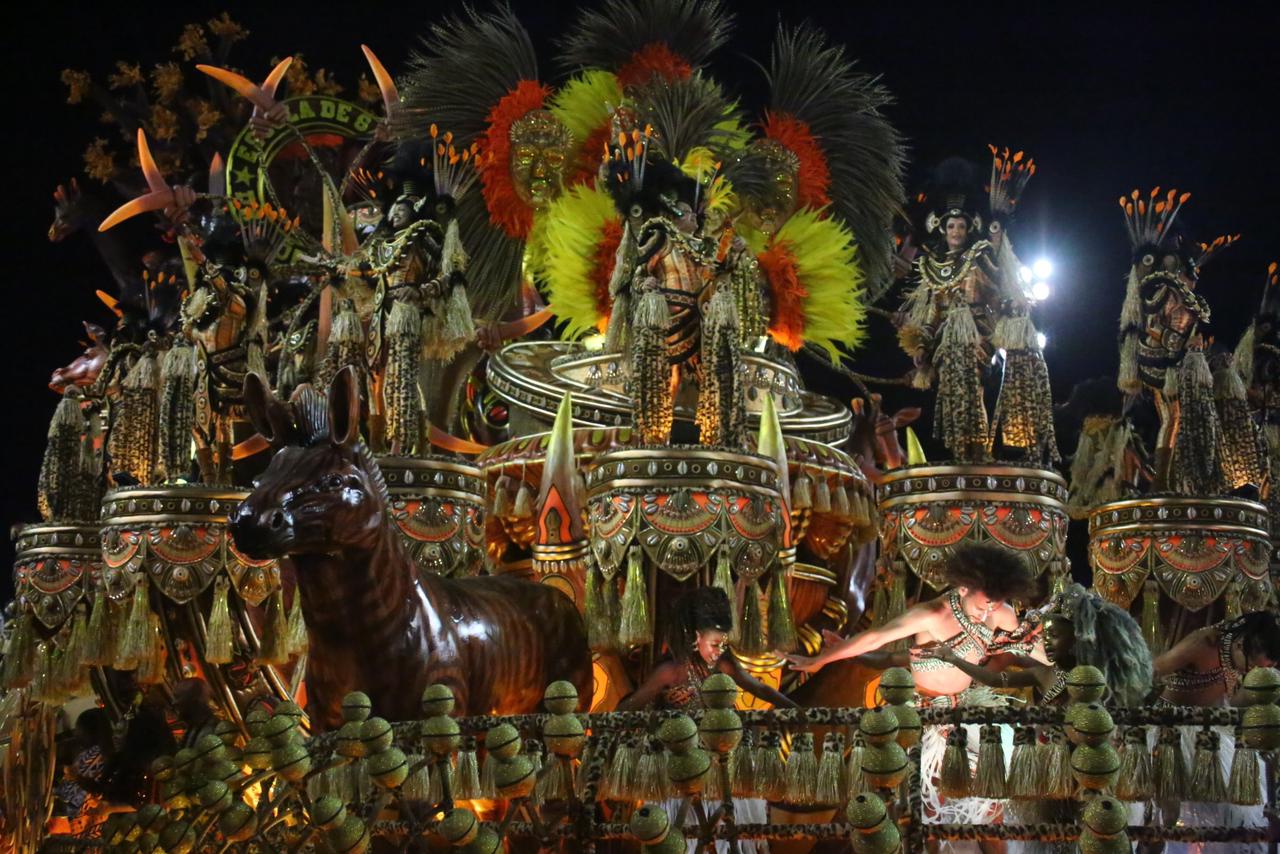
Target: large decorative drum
{"x": 926, "y": 511}
{"x": 513, "y": 470}
{"x": 438, "y": 506}
{"x": 533, "y": 376}
{"x": 681, "y": 506}
{"x": 54, "y": 565}
{"x": 1192, "y": 553}
{"x": 175, "y": 538}
{"x": 178, "y": 536}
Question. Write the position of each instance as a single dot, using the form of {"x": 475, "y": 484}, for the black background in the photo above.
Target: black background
{"x": 1106, "y": 98}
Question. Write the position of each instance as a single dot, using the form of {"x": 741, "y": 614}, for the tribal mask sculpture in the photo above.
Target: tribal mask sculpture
{"x": 540, "y": 149}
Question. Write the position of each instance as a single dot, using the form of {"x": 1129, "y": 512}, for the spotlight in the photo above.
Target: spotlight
{"x": 1024, "y": 273}
{"x": 1040, "y": 291}
{"x": 1041, "y": 340}
{"x": 1043, "y": 268}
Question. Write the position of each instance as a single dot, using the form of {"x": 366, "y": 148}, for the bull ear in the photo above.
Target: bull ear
{"x": 266, "y": 412}
{"x": 344, "y": 408}
{"x": 906, "y": 416}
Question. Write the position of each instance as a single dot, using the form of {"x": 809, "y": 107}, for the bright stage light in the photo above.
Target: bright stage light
{"x": 1041, "y": 340}
{"x": 1043, "y": 268}
{"x": 1024, "y": 273}
{"x": 1040, "y": 291}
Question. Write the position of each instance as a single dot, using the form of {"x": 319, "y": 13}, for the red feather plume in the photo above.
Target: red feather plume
{"x": 788, "y": 295}
{"x": 506, "y": 210}
{"x": 814, "y": 178}
{"x": 654, "y": 60}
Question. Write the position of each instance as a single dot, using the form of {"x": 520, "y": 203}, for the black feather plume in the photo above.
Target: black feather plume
{"x": 607, "y": 37}
{"x": 816, "y": 83}
{"x": 466, "y": 65}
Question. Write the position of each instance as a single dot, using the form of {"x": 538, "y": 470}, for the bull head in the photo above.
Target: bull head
{"x": 322, "y": 492}
{"x": 874, "y": 440}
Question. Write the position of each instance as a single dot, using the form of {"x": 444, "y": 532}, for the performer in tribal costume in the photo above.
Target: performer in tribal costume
{"x": 1206, "y": 668}
{"x": 697, "y": 638}
{"x": 983, "y": 580}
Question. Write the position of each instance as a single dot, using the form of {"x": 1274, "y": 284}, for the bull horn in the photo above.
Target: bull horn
{"x": 272, "y": 82}
{"x": 386, "y": 85}
{"x": 217, "y": 176}
{"x": 525, "y": 325}
{"x": 154, "y": 201}
{"x": 150, "y": 171}
{"x": 262, "y": 101}
{"x": 110, "y": 302}
{"x": 449, "y": 442}
{"x": 255, "y": 444}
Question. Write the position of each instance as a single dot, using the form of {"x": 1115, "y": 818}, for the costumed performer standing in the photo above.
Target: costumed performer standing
{"x": 1206, "y": 668}
{"x": 697, "y": 638}
{"x": 983, "y": 580}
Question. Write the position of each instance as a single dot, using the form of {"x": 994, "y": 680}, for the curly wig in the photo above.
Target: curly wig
{"x": 995, "y": 571}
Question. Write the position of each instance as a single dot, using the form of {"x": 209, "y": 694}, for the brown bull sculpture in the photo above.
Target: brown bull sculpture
{"x": 374, "y": 623}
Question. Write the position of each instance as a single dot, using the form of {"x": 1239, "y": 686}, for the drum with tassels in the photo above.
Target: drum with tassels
{"x": 438, "y": 506}
{"x": 1180, "y": 563}
{"x": 178, "y": 536}
{"x": 513, "y": 470}
{"x": 926, "y": 511}
{"x": 668, "y": 519}
{"x": 175, "y": 585}
{"x": 53, "y": 566}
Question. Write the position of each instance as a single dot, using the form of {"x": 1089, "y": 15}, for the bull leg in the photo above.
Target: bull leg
{"x": 224, "y": 450}
{"x": 205, "y": 458}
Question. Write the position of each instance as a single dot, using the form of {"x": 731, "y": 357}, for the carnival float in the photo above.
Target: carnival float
{"x": 452, "y": 447}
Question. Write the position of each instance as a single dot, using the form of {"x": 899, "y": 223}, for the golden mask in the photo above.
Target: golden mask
{"x": 773, "y": 206}
{"x": 539, "y": 149}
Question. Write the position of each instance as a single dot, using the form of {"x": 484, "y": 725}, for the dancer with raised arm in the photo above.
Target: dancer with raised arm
{"x": 984, "y": 579}
{"x": 1080, "y": 627}
{"x": 697, "y": 640}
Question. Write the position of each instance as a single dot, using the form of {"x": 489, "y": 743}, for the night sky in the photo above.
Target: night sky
{"x": 1106, "y": 99}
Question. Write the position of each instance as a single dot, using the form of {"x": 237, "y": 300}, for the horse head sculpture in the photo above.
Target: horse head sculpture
{"x": 373, "y": 623}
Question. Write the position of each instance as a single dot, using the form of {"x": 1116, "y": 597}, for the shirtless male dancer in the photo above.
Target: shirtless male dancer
{"x": 983, "y": 579}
